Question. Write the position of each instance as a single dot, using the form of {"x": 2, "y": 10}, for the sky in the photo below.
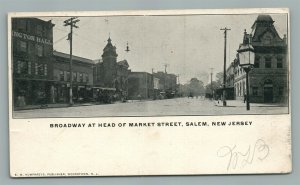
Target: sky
{"x": 190, "y": 45}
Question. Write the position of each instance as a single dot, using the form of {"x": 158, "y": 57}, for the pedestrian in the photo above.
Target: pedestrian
{"x": 139, "y": 97}
{"x": 245, "y": 98}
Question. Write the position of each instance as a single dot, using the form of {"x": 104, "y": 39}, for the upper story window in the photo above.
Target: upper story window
{"x": 45, "y": 69}
{"x": 268, "y": 63}
{"x": 22, "y": 46}
{"x": 80, "y": 77}
{"x": 61, "y": 76}
{"x": 267, "y": 40}
{"x": 22, "y": 25}
{"x": 74, "y": 76}
{"x": 279, "y": 62}
{"x": 86, "y": 77}
{"x": 256, "y": 62}
{"x": 39, "y": 30}
{"x": 68, "y": 75}
{"x": 39, "y": 69}
{"x": 23, "y": 67}
{"x": 39, "y": 50}
{"x": 29, "y": 67}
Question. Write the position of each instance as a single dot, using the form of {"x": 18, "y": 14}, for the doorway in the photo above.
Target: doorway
{"x": 268, "y": 91}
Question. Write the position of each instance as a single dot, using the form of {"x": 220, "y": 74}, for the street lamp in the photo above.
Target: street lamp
{"x": 246, "y": 61}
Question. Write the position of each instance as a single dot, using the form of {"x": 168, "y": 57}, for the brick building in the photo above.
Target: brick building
{"x": 82, "y": 78}
{"x": 110, "y": 73}
{"x": 167, "y": 82}
{"x": 32, "y": 61}
{"x": 268, "y": 80}
{"x": 140, "y": 85}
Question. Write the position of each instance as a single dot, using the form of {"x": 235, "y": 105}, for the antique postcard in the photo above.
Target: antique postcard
{"x": 156, "y": 92}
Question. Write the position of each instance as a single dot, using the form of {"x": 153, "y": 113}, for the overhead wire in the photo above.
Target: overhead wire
{"x": 55, "y": 42}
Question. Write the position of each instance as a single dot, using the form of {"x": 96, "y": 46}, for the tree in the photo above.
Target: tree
{"x": 196, "y": 87}
{"x": 220, "y": 77}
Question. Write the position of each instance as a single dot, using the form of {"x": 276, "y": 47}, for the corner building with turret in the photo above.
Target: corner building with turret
{"x": 110, "y": 73}
{"x": 268, "y": 80}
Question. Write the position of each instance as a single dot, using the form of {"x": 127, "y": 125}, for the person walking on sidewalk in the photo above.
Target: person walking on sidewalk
{"x": 245, "y": 98}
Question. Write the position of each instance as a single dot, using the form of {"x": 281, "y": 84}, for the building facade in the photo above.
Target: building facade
{"x": 82, "y": 78}
{"x": 32, "y": 61}
{"x": 141, "y": 85}
{"x": 110, "y": 73}
{"x": 168, "y": 83}
{"x": 268, "y": 80}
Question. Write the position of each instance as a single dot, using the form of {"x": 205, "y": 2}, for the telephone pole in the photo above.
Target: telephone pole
{"x": 224, "y": 71}
{"x": 165, "y": 79}
{"x": 211, "y": 88}
{"x": 72, "y": 23}
{"x": 178, "y": 82}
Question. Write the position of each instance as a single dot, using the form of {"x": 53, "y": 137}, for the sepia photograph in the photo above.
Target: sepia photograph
{"x": 149, "y": 65}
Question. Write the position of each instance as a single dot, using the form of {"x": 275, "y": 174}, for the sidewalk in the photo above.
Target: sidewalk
{"x": 46, "y": 106}
{"x": 239, "y": 103}
{"x": 63, "y": 105}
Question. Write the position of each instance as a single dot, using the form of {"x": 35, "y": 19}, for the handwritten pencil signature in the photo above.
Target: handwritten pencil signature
{"x": 260, "y": 150}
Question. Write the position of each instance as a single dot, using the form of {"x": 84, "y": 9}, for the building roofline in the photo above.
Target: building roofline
{"x": 77, "y": 58}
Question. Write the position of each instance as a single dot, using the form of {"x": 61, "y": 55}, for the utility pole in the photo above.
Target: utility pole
{"x": 211, "y": 87}
{"x": 165, "y": 79}
{"x": 224, "y": 71}
{"x": 166, "y": 65}
{"x": 179, "y": 90}
{"x": 72, "y": 23}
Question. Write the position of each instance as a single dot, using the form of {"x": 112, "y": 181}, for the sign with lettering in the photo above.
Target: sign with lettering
{"x": 32, "y": 38}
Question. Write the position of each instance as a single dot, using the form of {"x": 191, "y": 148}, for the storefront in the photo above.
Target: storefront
{"x": 32, "y": 92}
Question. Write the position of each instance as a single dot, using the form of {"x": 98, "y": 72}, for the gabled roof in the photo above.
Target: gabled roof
{"x": 123, "y": 63}
{"x": 263, "y": 24}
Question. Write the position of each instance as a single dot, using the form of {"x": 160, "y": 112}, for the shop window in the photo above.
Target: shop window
{"x": 255, "y": 91}
{"x": 279, "y": 62}
{"x": 61, "y": 76}
{"x": 268, "y": 63}
{"x": 280, "y": 91}
{"x": 39, "y": 50}
{"x": 23, "y": 46}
